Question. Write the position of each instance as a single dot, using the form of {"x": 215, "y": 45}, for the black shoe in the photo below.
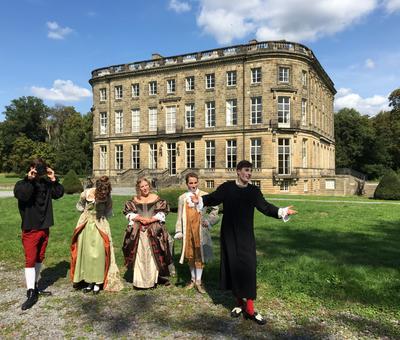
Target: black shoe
{"x": 88, "y": 289}
{"x": 235, "y": 312}
{"x": 32, "y": 299}
{"x": 42, "y": 292}
{"x": 257, "y": 317}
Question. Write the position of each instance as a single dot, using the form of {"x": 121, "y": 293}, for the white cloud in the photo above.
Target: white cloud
{"x": 298, "y": 20}
{"x": 369, "y": 63}
{"x": 179, "y": 6}
{"x": 62, "y": 90}
{"x": 56, "y": 31}
{"x": 371, "y": 105}
{"x": 392, "y": 5}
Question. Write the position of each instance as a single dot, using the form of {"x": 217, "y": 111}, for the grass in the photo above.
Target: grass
{"x": 8, "y": 179}
{"x": 335, "y": 262}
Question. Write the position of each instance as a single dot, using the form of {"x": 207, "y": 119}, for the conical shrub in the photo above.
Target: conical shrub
{"x": 71, "y": 183}
{"x": 389, "y": 187}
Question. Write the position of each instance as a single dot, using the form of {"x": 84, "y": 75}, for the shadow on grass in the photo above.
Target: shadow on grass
{"x": 51, "y": 275}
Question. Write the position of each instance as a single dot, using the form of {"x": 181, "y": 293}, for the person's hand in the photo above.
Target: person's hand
{"x": 31, "y": 173}
{"x": 290, "y": 211}
{"x": 51, "y": 174}
{"x": 178, "y": 236}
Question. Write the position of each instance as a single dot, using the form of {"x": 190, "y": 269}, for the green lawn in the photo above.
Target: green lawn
{"x": 8, "y": 179}
{"x": 335, "y": 261}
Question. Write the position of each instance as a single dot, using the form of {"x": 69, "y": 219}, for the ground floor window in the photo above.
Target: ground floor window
{"x": 284, "y": 186}
{"x": 209, "y": 184}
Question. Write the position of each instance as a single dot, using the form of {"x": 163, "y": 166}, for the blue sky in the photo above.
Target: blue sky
{"x": 48, "y": 48}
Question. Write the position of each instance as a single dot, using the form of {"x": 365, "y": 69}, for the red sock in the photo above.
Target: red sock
{"x": 239, "y": 302}
{"x": 250, "y": 307}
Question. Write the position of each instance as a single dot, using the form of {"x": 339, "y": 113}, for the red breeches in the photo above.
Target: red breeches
{"x": 35, "y": 243}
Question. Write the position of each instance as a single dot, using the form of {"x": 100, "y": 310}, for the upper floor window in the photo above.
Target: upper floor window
{"x": 152, "y": 88}
{"x": 135, "y": 120}
{"x": 103, "y": 157}
{"x": 304, "y": 78}
{"x": 135, "y": 90}
{"x": 231, "y": 112}
{"x": 210, "y": 81}
{"x": 153, "y": 156}
{"x": 119, "y": 157}
{"x": 255, "y": 152}
{"x": 189, "y": 116}
{"x": 256, "y": 110}
{"x": 119, "y": 121}
{"x": 210, "y": 154}
{"x": 303, "y": 111}
{"x": 190, "y": 155}
{"x": 118, "y": 92}
{"x": 170, "y": 119}
{"x": 256, "y": 75}
{"x": 231, "y": 78}
{"x": 189, "y": 83}
{"x": 103, "y": 95}
{"x": 103, "y": 123}
{"x": 284, "y": 74}
{"x": 284, "y": 111}
{"x": 210, "y": 114}
{"x": 304, "y": 153}
{"x": 171, "y": 86}
{"x": 152, "y": 119}
{"x": 135, "y": 156}
{"x": 231, "y": 153}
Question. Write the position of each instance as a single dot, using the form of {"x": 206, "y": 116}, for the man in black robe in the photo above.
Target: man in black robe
{"x": 35, "y": 194}
{"x": 238, "y": 245}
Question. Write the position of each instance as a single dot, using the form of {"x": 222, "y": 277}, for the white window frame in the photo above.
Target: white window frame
{"x": 190, "y": 112}
{"x": 283, "y": 111}
{"x": 103, "y": 116}
{"x": 255, "y": 110}
{"x": 189, "y": 83}
{"x": 303, "y": 111}
{"x": 210, "y": 81}
{"x": 170, "y": 119}
{"x": 284, "y": 74}
{"x": 210, "y": 154}
{"x": 210, "y": 183}
{"x": 103, "y": 94}
{"x": 231, "y": 112}
{"x": 135, "y": 154}
{"x": 284, "y": 156}
{"x": 190, "y": 155}
{"x": 153, "y": 119}
{"x": 284, "y": 186}
{"x": 103, "y": 157}
{"x": 135, "y": 116}
{"x": 118, "y": 92}
{"x": 304, "y": 78}
{"x": 119, "y": 157}
{"x": 135, "y": 90}
{"x": 152, "y": 88}
{"x": 119, "y": 121}
{"x": 231, "y": 78}
{"x": 210, "y": 114}
{"x": 171, "y": 86}
{"x": 153, "y": 156}
{"x": 256, "y": 75}
{"x": 231, "y": 154}
{"x": 256, "y": 152}
{"x": 304, "y": 153}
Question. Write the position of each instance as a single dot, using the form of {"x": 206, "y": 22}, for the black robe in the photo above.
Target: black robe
{"x": 238, "y": 245}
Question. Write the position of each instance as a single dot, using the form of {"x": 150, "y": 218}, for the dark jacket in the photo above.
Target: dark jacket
{"x": 35, "y": 202}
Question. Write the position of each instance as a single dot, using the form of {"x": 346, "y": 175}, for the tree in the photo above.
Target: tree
{"x": 394, "y": 100}
{"x": 389, "y": 187}
{"x": 71, "y": 183}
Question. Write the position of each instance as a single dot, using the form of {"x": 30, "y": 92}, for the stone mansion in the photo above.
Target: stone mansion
{"x": 270, "y": 102}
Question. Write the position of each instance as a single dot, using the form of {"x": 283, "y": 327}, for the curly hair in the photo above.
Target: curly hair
{"x": 103, "y": 189}
{"x": 140, "y": 180}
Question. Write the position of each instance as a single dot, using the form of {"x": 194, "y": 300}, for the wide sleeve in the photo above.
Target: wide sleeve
{"x": 81, "y": 204}
{"x": 216, "y": 197}
{"x": 23, "y": 190}
{"x": 57, "y": 190}
{"x": 264, "y": 207}
{"x": 212, "y": 216}
{"x": 129, "y": 208}
{"x": 178, "y": 225}
{"x": 108, "y": 211}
